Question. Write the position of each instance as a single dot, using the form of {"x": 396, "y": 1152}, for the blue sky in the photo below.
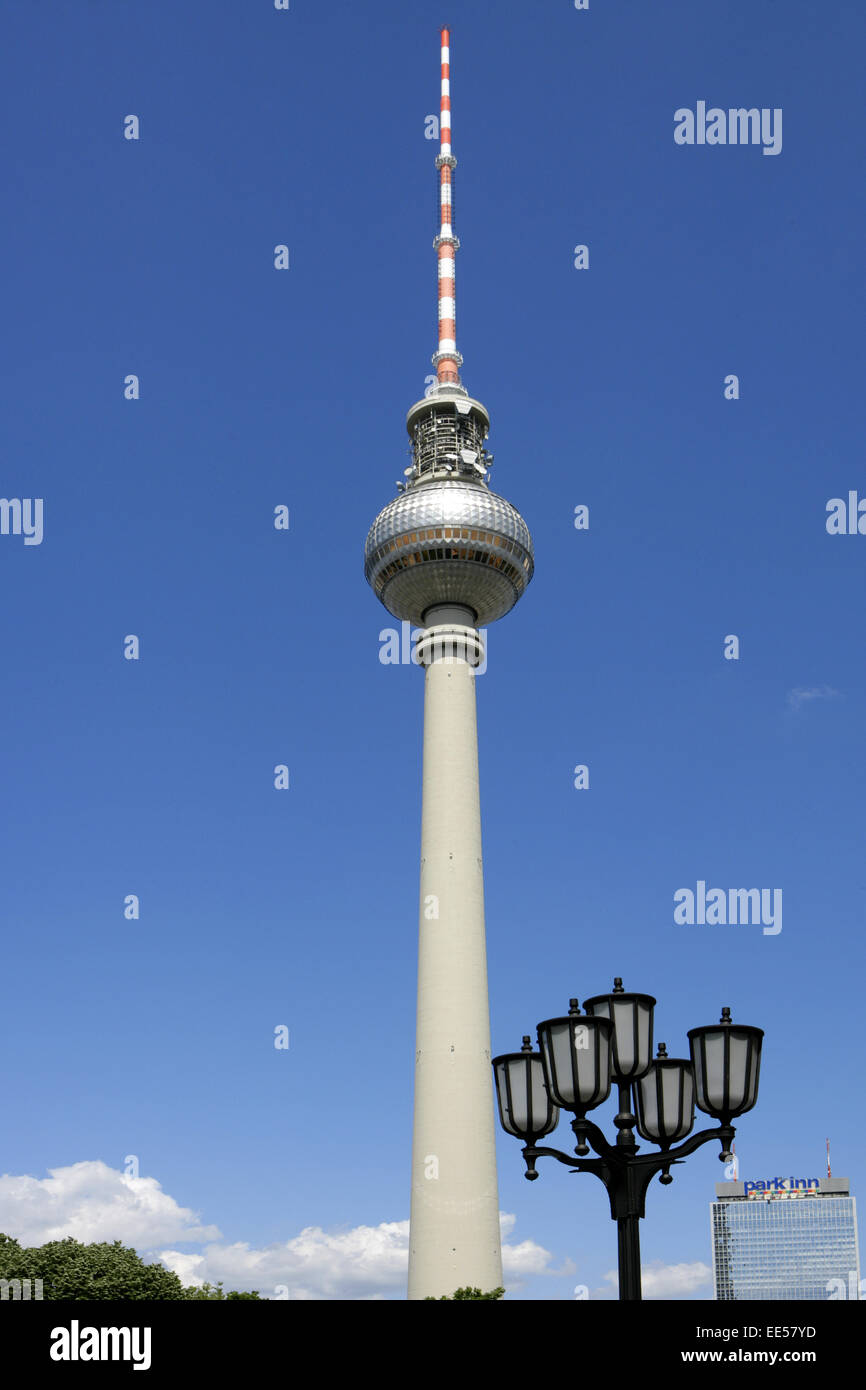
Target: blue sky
{"x": 260, "y": 387}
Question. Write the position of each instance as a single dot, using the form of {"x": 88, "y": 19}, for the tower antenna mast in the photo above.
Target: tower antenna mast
{"x": 447, "y": 359}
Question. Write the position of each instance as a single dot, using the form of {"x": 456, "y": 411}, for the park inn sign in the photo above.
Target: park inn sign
{"x": 780, "y": 1185}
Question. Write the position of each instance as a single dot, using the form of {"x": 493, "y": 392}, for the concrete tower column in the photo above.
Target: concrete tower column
{"x": 454, "y": 1226}
{"x": 451, "y": 556}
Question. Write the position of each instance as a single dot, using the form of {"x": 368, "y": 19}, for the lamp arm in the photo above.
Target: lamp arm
{"x": 626, "y": 1176}
{"x": 584, "y": 1129}
{"x": 661, "y": 1158}
{"x": 610, "y": 1158}
{"x": 597, "y": 1141}
{"x": 579, "y": 1165}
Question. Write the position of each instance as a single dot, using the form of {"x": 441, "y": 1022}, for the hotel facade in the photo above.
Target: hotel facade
{"x": 785, "y": 1238}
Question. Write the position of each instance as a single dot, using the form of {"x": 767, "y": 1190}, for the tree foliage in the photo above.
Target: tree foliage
{"x": 70, "y": 1270}
{"x": 464, "y": 1294}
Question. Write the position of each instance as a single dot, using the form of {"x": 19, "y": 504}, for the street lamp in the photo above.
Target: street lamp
{"x": 665, "y": 1098}
{"x": 727, "y": 1059}
{"x": 525, "y": 1107}
{"x": 578, "y": 1059}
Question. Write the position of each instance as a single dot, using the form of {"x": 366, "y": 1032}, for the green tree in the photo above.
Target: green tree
{"x": 71, "y": 1270}
{"x": 212, "y": 1291}
{"x": 465, "y": 1293}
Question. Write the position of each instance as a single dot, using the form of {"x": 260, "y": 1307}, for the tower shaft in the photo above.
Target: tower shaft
{"x": 454, "y": 1236}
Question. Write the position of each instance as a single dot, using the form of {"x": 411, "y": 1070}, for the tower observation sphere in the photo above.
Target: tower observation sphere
{"x": 447, "y": 538}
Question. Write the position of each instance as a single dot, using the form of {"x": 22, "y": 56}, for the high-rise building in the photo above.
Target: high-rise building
{"x": 785, "y": 1238}
{"x": 450, "y": 556}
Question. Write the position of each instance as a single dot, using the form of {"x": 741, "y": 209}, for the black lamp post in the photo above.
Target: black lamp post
{"x": 578, "y": 1059}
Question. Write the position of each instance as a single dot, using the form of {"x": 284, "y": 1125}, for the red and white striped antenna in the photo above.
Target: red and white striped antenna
{"x": 447, "y": 360}
{"x": 829, "y": 1174}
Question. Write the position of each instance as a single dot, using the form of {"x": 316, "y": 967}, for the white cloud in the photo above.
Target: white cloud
{"x": 528, "y": 1258}
{"x": 365, "y": 1262}
{"x": 93, "y": 1202}
{"x": 801, "y": 695}
{"x": 667, "y": 1281}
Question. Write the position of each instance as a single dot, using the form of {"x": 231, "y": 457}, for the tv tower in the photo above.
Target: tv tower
{"x": 450, "y": 556}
